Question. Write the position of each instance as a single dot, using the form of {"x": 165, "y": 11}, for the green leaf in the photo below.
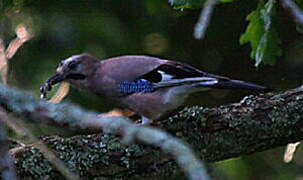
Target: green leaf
{"x": 226, "y": 1}
{"x": 262, "y": 35}
{"x": 300, "y": 3}
{"x": 190, "y": 4}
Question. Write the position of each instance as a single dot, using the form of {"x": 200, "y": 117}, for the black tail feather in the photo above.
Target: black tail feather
{"x": 236, "y": 84}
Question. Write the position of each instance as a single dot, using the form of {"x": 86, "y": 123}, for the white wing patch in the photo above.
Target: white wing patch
{"x": 209, "y": 82}
{"x": 164, "y": 76}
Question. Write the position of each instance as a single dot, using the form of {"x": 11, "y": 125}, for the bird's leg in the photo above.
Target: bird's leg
{"x": 117, "y": 112}
{"x": 126, "y": 113}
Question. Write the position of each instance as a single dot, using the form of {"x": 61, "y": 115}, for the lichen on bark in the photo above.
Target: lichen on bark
{"x": 254, "y": 124}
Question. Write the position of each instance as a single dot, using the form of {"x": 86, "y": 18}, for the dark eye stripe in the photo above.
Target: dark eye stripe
{"x": 76, "y": 76}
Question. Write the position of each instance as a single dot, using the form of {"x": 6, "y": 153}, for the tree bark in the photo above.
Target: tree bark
{"x": 254, "y": 124}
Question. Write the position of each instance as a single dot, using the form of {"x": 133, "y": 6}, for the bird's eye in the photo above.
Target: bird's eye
{"x": 73, "y": 65}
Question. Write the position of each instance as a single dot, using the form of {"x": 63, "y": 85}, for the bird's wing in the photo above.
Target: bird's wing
{"x": 171, "y": 70}
{"x": 166, "y": 74}
{"x": 130, "y": 68}
{"x": 174, "y": 74}
{"x": 134, "y": 74}
{"x": 127, "y": 68}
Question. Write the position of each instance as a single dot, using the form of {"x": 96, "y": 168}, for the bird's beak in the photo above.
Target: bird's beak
{"x": 56, "y": 79}
{"x": 47, "y": 86}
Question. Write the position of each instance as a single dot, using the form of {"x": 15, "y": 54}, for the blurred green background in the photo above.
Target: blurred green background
{"x": 107, "y": 28}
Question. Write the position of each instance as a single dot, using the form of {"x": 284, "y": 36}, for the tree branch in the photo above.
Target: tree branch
{"x": 7, "y": 170}
{"x": 255, "y": 124}
{"x": 294, "y": 10}
{"x": 204, "y": 19}
{"x": 21, "y": 129}
{"x": 33, "y": 109}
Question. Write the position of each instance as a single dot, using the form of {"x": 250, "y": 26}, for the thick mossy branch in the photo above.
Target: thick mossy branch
{"x": 7, "y": 170}
{"x": 255, "y": 124}
{"x": 34, "y": 110}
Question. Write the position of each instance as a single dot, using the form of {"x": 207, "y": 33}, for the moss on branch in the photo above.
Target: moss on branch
{"x": 255, "y": 124}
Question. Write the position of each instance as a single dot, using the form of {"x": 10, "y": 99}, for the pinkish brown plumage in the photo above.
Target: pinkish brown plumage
{"x": 150, "y": 86}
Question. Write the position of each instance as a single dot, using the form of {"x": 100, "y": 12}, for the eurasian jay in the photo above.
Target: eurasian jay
{"x": 149, "y": 86}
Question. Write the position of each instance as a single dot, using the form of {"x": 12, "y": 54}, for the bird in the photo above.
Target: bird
{"x": 149, "y": 86}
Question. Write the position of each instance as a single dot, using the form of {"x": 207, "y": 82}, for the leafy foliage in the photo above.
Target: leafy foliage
{"x": 300, "y": 3}
{"x": 262, "y": 35}
{"x": 190, "y": 4}
{"x": 13, "y": 6}
{"x": 181, "y": 4}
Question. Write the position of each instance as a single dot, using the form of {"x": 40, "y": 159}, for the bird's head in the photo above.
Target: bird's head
{"x": 75, "y": 70}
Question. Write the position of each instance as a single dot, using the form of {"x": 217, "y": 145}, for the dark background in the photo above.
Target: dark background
{"x": 107, "y": 28}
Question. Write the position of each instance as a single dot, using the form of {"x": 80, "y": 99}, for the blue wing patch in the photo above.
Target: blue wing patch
{"x": 140, "y": 85}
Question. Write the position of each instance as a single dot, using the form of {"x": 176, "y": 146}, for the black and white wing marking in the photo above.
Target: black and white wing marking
{"x": 166, "y": 75}
{"x": 175, "y": 74}
{"x": 172, "y": 70}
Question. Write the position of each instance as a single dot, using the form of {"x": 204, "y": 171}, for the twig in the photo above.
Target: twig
{"x": 3, "y": 63}
{"x": 19, "y": 127}
{"x": 294, "y": 10}
{"x": 7, "y": 170}
{"x": 6, "y": 54}
{"x": 204, "y": 19}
